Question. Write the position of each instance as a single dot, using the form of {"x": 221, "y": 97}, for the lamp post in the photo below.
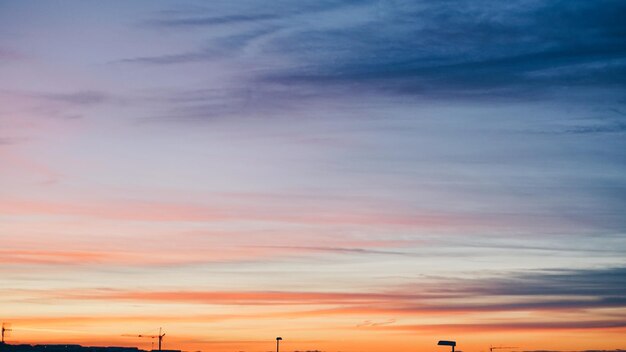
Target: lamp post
{"x": 278, "y": 339}
{"x": 447, "y": 343}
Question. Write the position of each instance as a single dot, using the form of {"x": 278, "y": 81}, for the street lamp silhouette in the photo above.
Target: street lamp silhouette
{"x": 278, "y": 339}
{"x": 447, "y": 343}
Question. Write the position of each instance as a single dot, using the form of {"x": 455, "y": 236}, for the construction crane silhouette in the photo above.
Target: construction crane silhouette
{"x": 5, "y": 329}
{"x": 159, "y": 336}
{"x": 492, "y": 348}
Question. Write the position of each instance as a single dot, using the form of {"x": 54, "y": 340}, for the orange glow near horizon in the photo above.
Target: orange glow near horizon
{"x": 223, "y": 321}
{"x": 303, "y": 334}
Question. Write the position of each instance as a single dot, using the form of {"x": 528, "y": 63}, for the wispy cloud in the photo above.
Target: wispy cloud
{"x": 210, "y": 21}
{"x": 344, "y": 250}
{"x": 6, "y": 141}
{"x": 8, "y": 55}
{"x": 542, "y": 291}
{"x": 600, "y": 282}
{"x": 435, "y": 48}
{"x": 234, "y": 298}
{"x": 31, "y": 110}
{"x": 181, "y": 212}
{"x": 516, "y": 326}
{"x": 606, "y": 127}
{"x": 221, "y": 47}
{"x": 75, "y": 98}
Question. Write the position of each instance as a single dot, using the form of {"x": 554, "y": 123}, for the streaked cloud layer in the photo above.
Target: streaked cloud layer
{"x": 349, "y": 175}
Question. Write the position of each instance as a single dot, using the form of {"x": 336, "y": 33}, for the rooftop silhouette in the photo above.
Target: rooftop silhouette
{"x": 5, "y": 347}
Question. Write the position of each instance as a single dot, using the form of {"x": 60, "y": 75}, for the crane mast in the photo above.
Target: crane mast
{"x": 159, "y": 337}
{"x": 5, "y": 329}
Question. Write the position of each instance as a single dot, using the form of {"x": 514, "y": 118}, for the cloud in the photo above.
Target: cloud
{"x": 607, "y": 283}
{"x": 133, "y": 210}
{"x": 224, "y": 46}
{"x": 44, "y": 105}
{"x": 187, "y": 57}
{"x": 8, "y": 55}
{"x": 376, "y": 323}
{"x": 511, "y": 326}
{"x": 81, "y": 98}
{"x": 210, "y": 21}
{"x": 614, "y": 127}
{"x": 209, "y": 15}
{"x": 6, "y": 141}
{"x": 128, "y": 210}
{"x": 305, "y": 55}
{"x": 78, "y": 98}
{"x": 566, "y": 291}
{"x": 112, "y": 257}
{"x": 436, "y": 48}
{"x": 231, "y": 297}
{"x": 465, "y": 47}
{"x": 478, "y": 305}
{"x": 344, "y": 250}
{"x": 50, "y": 257}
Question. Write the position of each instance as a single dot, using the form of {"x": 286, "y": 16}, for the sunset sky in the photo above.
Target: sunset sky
{"x": 355, "y": 176}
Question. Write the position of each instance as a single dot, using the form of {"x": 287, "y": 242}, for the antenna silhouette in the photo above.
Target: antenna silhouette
{"x": 159, "y": 336}
{"x": 492, "y": 348}
{"x": 5, "y": 329}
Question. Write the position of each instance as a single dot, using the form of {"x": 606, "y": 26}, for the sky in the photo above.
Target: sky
{"x": 353, "y": 176}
